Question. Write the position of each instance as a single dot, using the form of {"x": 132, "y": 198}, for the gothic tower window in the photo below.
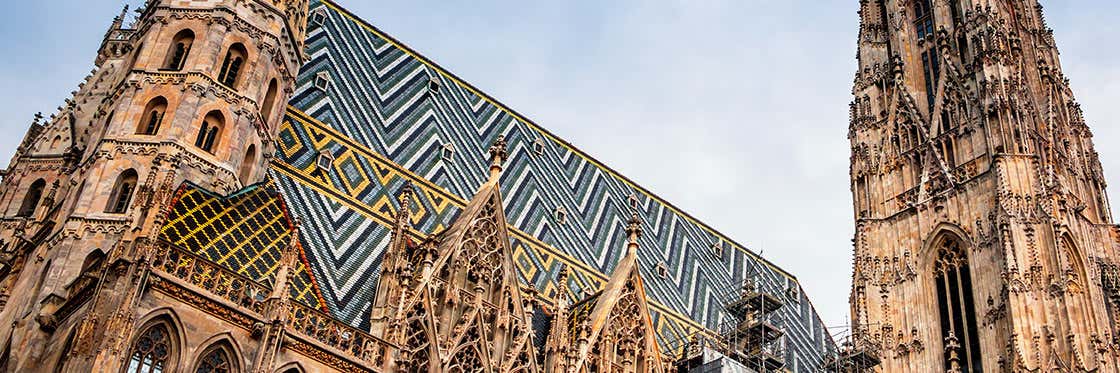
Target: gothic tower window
{"x": 122, "y": 192}
{"x": 216, "y": 359}
{"x": 31, "y": 199}
{"x": 269, "y": 101}
{"x": 153, "y": 116}
{"x": 247, "y": 163}
{"x": 923, "y": 18}
{"x": 956, "y": 308}
{"x": 180, "y": 49}
{"x": 152, "y": 351}
{"x": 209, "y": 131}
{"x": 923, "y": 25}
{"x": 232, "y": 64}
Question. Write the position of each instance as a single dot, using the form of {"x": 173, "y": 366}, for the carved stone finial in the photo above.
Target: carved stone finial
{"x": 404, "y": 199}
{"x": 633, "y": 232}
{"x": 498, "y": 156}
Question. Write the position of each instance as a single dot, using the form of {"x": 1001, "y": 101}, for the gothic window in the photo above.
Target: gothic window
{"x": 931, "y": 71}
{"x": 956, "y": 308}
{"x": 31, "y": 199}
{"x": 923, "y": 18}
{"x": 122, "y": 192}
{"x": 269, "y": 101}
{"x": 247, "y": 163}
{"x": 180, "y": 49}
{"x": 152, "y": 116}
{"x": 217, "y": 359}
{"x": 948, "y": 151}
{"x": 209, "y": 131}
{"x": 232, "y": 65}
{"x": 152, "y": 351}
{"x": 955, "y": 11}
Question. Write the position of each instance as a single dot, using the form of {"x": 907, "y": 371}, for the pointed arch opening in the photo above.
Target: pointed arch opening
{"x": 269, "y": 101}
{"x": 31, "y": 198}
{"x": 152, "y": 117}
{"x": 232, "y": 65}
{"x": 154, "y": 349}
{"x": 122, "y": 192}
{"x": 209, "y": 131}
{"x": 180, "y": 49}
{"x": 956, "y": 308}
{"x": 247, "y": 164}
{"x": 220, "y": 357}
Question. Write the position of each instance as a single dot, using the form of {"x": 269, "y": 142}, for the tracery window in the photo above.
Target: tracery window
{"x": 232, "y": 64}
{"x": 122, "y": 192}
{"x": 215, "y": 360}
{"x": 152, "y": 116}
{"x": 180, "y": 49}
{"x": 31, "y": 199}
{"x": 151, "y": 352}
{"x": 417, "y": 342}
{"x": 956, "y": 308}
{"x": 467, "y": 360}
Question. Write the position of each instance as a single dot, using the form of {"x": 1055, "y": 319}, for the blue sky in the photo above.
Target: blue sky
{"x": 734, "y": 110}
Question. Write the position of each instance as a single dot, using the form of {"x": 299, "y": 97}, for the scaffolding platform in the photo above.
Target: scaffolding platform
{"x": 754, "y": 303}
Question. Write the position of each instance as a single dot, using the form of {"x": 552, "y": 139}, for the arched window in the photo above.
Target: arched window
{"x": 152, "y": 351}
{"x": 31, "y": 199}
{"x": 122, "y": 192}
{"x": 217, "y": 359}
{"x": 923, "y": 18}
{"x": 232, "y": 64}
{"x": 209, "y": 131}
{"x": 153, "y": 116}
{"x": 957, "y": 310}
{"x": 180, "y": 49}
{"x": 247, "y": 163}
{"x": 269, "y": 101}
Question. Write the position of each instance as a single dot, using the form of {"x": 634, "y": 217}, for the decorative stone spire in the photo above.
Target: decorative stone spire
{"x": 633, "y": 233}
{"x": 498, "y": 156}
{"x": 404, "y": 214}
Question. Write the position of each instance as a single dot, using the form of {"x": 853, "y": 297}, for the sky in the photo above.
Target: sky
{"x": 734, "y": 110}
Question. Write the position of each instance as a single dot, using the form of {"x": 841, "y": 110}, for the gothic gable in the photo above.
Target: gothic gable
{"x": 465, "y": 278}
{"x": 618, "y": 328}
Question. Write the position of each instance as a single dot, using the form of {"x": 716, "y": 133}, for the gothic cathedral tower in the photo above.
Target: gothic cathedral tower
{"x": 984, "y": 240}
{"x": 192, "y": 91}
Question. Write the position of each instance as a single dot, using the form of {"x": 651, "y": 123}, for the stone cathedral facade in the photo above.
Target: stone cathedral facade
{"x": 175, "y": 215}
{"x": 984, "y": 240}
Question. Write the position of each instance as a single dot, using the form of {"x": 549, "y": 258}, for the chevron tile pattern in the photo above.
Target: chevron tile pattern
{"x": 369, "y": 115}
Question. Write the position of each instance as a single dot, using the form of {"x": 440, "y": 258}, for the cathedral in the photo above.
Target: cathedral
{"x": 279, "y": 186}
{"x": 984, "y": 240}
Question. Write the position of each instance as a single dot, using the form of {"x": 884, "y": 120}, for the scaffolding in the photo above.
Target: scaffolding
{"x": 749, "y": 338}
{"x": 855, "y": 355}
